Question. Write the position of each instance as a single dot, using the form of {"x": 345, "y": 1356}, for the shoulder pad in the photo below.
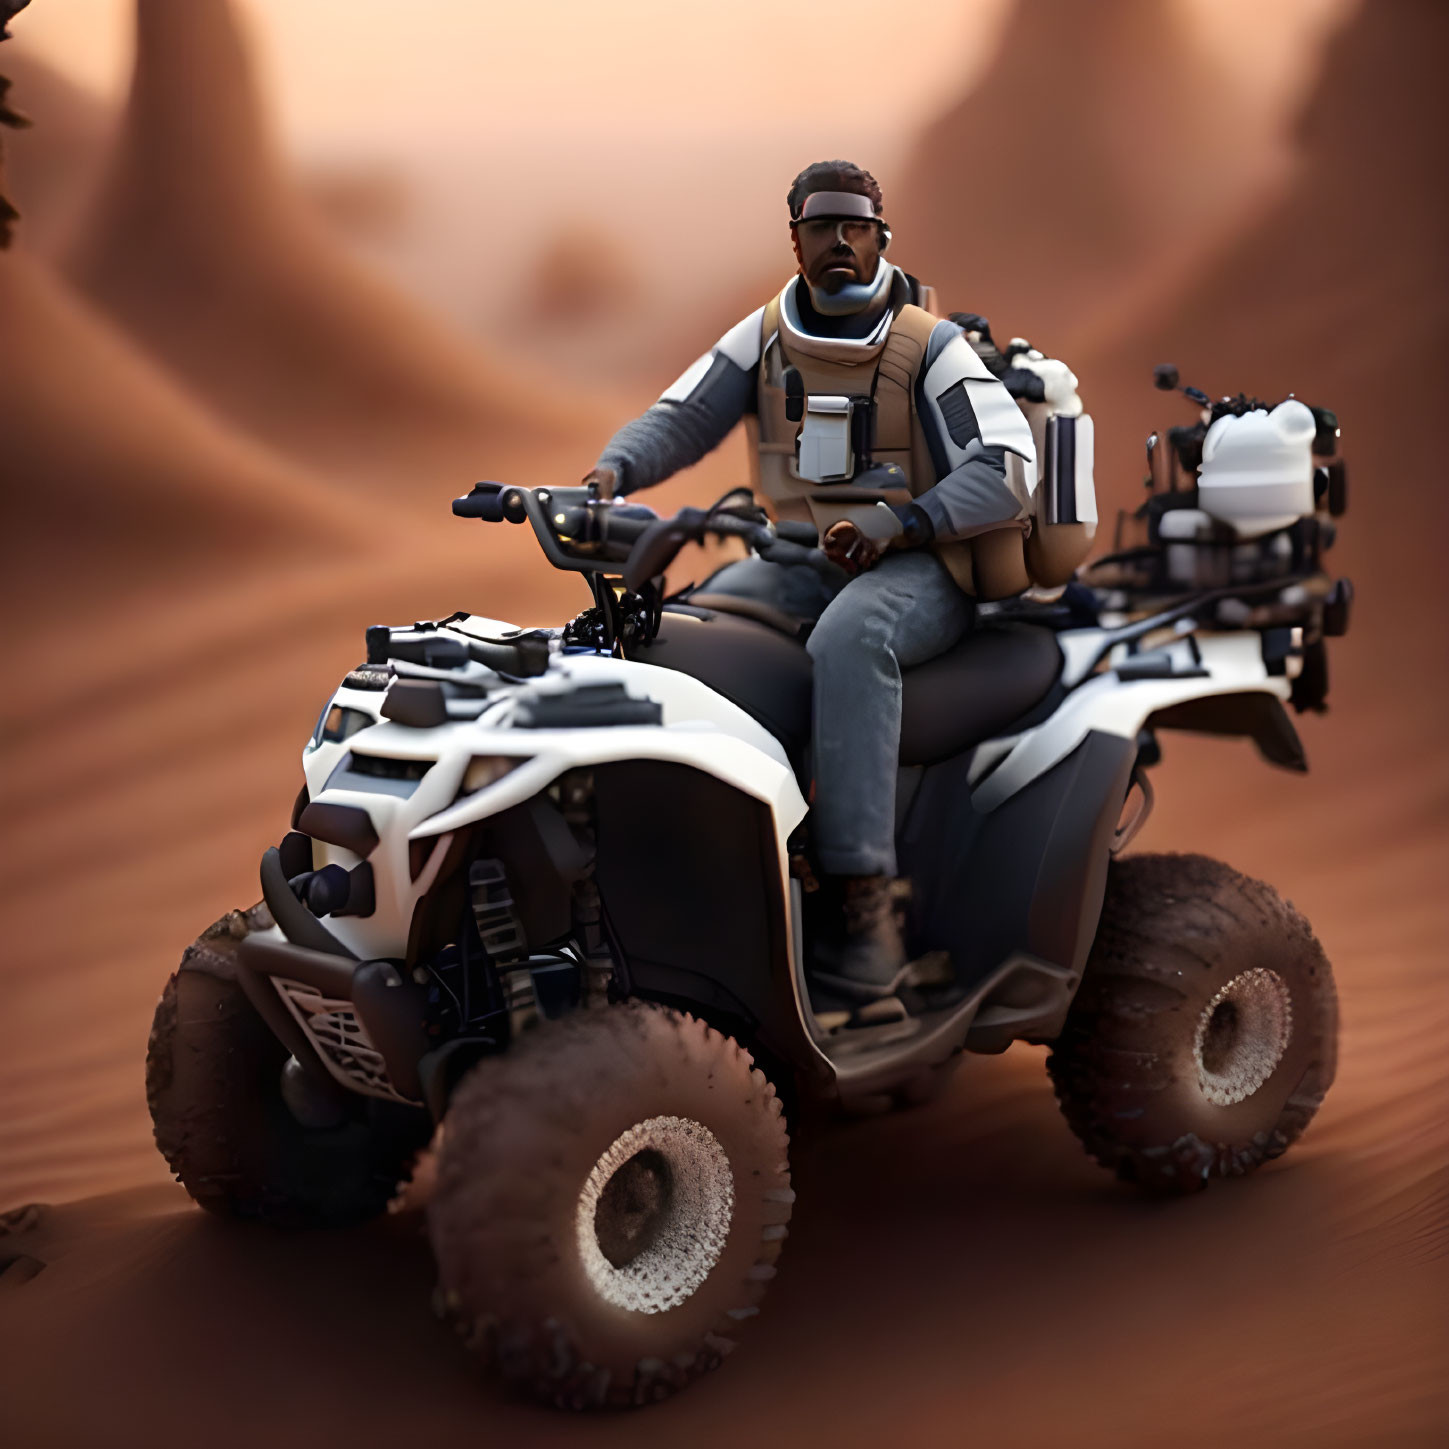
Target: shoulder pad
{"x": 742, "y": 343}
{"x": 680, "y": 389}
{"x": 956, "y": 362}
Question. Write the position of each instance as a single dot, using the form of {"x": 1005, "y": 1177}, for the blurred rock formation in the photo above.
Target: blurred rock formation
{"x": 365, "y": 201}
{"x": 1099, "y": 134}
{"x": 583, "y": 274}
{"x": 9, "y": 117}
{"x": 54, "y": 164}
{"x": 202, "y": 248}
{"x": 1339, "y": 292}
{"x": 116, "y": 485}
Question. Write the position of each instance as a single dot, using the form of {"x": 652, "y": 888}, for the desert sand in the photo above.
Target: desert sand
{"x": 116, "y": 480}
{"x": 961, "y": 1273}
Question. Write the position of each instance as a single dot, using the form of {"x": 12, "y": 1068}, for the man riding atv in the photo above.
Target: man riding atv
{"x": 545, "y": 899}
{"x": 879, "y": 423}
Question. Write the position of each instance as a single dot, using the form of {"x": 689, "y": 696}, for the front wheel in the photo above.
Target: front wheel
{"x": 215, "y": 1084}
{"x": 1204, "y": 1035}
{"x": 611, "y": 1196}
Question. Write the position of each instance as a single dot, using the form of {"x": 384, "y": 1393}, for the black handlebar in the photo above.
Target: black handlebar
{"x": 658, "y": 546}
{"x": 654, "y": 550}
{"x": 783, "y": 551}
{"x": 628, "y": 539}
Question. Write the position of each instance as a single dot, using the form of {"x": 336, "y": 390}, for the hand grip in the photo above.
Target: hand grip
{"x": 485, "y": 502}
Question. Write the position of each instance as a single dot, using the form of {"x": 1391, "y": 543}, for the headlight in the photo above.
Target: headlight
{"x": 485, "y": 770}
{"x": 340, "y": 723}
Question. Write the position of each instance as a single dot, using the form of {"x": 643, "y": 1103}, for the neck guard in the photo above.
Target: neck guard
{"x": 849, "y": 350}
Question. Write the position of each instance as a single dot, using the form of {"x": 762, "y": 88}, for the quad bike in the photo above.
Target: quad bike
{"x": 547, "y": 901}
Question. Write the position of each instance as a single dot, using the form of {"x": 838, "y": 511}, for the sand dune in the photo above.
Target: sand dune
{"x": 144, "y": 777}
{"x": 115, "y": 482}
{"x": 1343, "y": 273}
{"x": 201, "y": 248}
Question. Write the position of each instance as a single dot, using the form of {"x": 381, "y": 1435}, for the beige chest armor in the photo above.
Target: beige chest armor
{"x": 991, "y": 566}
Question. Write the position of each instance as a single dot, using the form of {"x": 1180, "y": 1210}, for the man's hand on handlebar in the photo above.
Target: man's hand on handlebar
{"x": 602, "y": 482}
{"x": 599, "y": 533}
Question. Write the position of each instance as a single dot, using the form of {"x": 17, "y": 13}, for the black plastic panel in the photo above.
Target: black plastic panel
{"x": 1026, "y": 878}
{"x": 1252, "y": 713}
{"x": 688, "y": 872}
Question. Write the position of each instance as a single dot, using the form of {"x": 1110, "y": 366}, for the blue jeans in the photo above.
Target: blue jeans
{"x": 906, "y": 610}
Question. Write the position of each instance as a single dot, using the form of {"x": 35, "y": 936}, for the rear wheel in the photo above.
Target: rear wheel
{"x": 611, "y": 1196}
{"x": 1204, "y": 1035}
{"x": 218, "y": 1089}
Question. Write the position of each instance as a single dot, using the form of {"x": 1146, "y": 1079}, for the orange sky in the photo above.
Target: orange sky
{"x": 448, "y": 62}
{"x": 559, "y": 114}
{"x": 442, "y": 65}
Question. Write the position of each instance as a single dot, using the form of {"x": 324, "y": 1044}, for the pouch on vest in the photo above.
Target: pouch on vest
{"x": 824, "y": 449}
{"x": 1066, "y": 500}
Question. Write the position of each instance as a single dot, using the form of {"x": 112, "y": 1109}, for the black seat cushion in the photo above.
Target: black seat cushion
{"x": 993, "y": 677}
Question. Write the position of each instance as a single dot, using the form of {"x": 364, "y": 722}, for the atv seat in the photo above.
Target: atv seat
{"x": 995, "y": 676}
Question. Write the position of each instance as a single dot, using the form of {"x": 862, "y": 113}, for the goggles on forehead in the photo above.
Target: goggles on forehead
{"x": 835, "y": 206}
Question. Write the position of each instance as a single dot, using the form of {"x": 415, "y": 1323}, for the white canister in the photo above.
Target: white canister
{"x": 1257, "y": 470}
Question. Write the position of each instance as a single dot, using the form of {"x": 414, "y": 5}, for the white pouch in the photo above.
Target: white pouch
{"x": 823, "y": 449}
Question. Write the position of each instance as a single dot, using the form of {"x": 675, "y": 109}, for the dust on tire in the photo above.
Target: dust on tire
{"x": 1179, "y": 934}
{"x": 524, "y": 1133}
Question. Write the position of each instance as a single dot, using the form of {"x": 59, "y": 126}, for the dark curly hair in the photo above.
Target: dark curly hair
{"x": 833, "y": 176}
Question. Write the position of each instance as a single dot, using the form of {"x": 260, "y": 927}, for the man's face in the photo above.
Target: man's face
{"x": 833, "y": 253}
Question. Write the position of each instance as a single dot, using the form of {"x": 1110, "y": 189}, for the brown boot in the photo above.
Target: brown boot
{"x": 872, "y": 958}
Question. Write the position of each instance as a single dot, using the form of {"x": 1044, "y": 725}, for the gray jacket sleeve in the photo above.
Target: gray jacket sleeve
{"x": 972, "y": 424}
{"x": 973, "y": 498}
{"x": 693, "y": 416}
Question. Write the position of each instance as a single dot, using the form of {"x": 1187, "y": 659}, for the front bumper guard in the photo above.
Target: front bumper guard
{"x": 358, "y": 1022}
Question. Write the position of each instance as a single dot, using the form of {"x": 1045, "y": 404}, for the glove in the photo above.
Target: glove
{"x": 917, "y": 530}
{"x": 970, "y": 322}
{"x": 848, "y": 548}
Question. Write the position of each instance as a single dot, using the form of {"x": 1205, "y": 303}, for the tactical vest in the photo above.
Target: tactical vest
{"x": 990, "y": 566}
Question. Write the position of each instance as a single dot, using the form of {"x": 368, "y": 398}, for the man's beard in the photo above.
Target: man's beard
{"x": 840, "y": 269}
{"x": 847, "y": 297}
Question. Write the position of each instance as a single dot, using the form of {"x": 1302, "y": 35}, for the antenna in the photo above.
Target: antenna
{"x": 1165, "y": 378}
